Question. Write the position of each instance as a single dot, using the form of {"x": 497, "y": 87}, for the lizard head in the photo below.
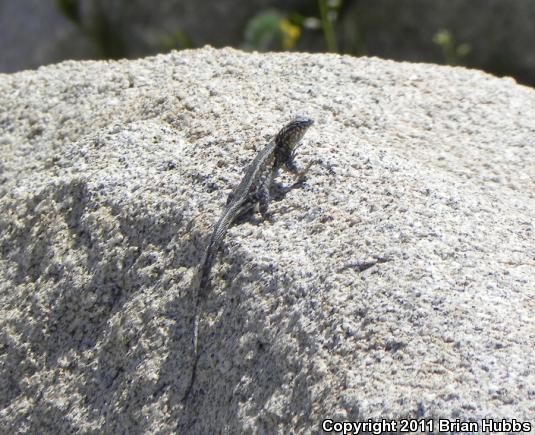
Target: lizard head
{"x": 293, "y": 132}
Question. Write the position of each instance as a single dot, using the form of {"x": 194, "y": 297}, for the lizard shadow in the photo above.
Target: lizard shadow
{"x": 277, "y": 193}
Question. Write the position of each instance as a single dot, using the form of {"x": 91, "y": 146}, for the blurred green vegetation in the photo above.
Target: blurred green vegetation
{"x": 453, "y": 53}
{"x": 328, "y": 10}
{"x": 274, "y": 30}
{"x": 270, "y": 29}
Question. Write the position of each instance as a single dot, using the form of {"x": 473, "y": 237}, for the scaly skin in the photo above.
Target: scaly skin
{"x": 254, "y": 187}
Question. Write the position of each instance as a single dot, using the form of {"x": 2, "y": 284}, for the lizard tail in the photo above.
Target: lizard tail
{"x": 195, "y": 355}
{"x": 201, "y": 283}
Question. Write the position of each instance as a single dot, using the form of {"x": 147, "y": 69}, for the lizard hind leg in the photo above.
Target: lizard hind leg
{"x": 245, "y": 213}
{"x": 264, "y": 196}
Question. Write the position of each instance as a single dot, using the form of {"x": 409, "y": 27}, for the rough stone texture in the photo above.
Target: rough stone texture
{"x": 112, "y": 174}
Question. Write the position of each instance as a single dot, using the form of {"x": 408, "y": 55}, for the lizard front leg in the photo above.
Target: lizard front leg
{"x": 292, "y": 167}
{"x": 264, "y": 195}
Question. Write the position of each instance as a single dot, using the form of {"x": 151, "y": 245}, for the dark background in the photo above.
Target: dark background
{"x": 497, "y": 36}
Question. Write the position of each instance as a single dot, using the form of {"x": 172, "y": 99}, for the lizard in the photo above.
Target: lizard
{"x": 254, "y": 188}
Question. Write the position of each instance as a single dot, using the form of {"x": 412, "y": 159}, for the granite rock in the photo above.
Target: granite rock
{"x": 112, "y": 174}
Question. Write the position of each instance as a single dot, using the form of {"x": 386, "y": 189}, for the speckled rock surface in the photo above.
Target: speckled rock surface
{"x": 111, "y": 175}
